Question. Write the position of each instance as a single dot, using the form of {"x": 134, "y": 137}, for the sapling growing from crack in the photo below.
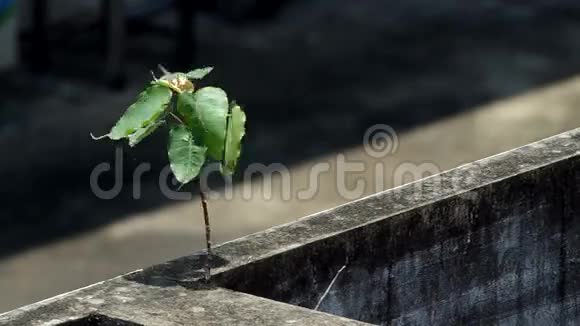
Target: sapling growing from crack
{"x": 203, "y": 126}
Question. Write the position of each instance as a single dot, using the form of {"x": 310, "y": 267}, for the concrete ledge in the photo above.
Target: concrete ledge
{"x": 131, "y": 303}
{"x": 493, "y": 241}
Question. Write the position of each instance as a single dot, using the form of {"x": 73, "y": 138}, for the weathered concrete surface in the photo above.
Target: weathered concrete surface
{"x": 495, "y": 241}
{"x": 492, "y": 241}
{"x": 140, "y": 304}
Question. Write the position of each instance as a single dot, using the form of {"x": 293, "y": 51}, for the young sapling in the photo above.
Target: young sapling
{"x": 203, "y": 126}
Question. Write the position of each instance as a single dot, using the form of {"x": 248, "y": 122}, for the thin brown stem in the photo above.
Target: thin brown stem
{"x": 176, "y": 117}
{"x": 207, "y": 236}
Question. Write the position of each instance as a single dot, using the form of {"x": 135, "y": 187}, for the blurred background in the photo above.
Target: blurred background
{"x": 457, "y": 80}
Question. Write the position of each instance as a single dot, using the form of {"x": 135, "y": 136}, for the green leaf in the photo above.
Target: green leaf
{"x": 186, "y": 158}
{"x": 205, "y": 112}
{"x": 235, "y": 133}
{"x": 136, "y": 137}
{"x": 149, "y": 106}
{"x": 186, "y": 110}
{"x": 199, "y": 73}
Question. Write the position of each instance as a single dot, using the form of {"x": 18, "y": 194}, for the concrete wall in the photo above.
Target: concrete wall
{"x": 504, "y": 253}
